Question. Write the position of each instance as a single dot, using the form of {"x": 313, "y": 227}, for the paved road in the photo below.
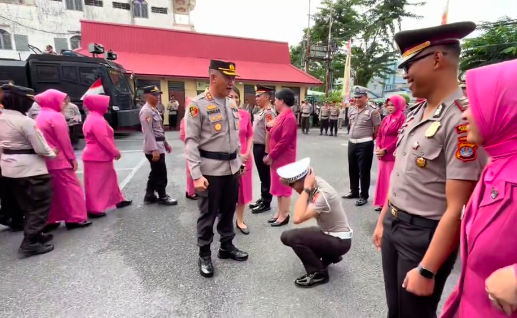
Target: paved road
{"x": 141, "y": 261}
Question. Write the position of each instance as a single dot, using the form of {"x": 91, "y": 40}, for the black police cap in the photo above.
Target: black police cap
{"x": 18, "y": 90}
{"x": 227, "y": 68}
{"x": 152, "y": 90}
{"x": 260, "y": 89}
{"x": 412, "y": 42}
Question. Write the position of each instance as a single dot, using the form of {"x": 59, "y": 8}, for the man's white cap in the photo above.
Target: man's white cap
{"x": 294, "y": 171}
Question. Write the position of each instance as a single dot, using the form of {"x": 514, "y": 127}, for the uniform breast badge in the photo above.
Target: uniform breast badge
{"x": 494, "y": 193}
{"x": 217, "y": 127}
{"x": 466, "y": 151}
{"x": 416, "y": 145}
{"x": 433, "y": 129}
{"x": 460, "y": 129}
{"x": 421, "y": 162}
{"x": 193, "y": 111}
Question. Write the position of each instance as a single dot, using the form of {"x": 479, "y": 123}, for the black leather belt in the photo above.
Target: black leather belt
{"x": 223, "y": 156}
{"x": 159, "y": 138}
{"x": 257, "y": 144}
{"x": 412, "y": 219}
{"x": 19, "y": 151}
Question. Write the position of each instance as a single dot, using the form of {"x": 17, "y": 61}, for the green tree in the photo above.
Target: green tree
{"x": 497, "y": 43}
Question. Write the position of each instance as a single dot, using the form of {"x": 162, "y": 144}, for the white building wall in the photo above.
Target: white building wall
{"x": 44, "y": 22}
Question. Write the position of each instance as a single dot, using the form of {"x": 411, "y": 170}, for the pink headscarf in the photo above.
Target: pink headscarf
{"x": 50, "y": 99}
{"x": 97, "y": 103}
{"x": 399, "y": 103}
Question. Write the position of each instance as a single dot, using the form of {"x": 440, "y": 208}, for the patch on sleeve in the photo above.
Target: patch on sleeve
{"x": 460, "y": 129}
{"x": 466, "y": 151}
{"x": 193, "y": 111}
{"x": 377, "y": 114}
{"x": 269, "y": 117}
{"x": 315, "y": 198}
{"x": 149, "y": 119}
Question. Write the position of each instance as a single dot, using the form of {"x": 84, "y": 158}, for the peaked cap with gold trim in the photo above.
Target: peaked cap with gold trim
{"x": 260, "y": 89}
{"x": 412, "y": 42}
{"x": 227, "y": 68}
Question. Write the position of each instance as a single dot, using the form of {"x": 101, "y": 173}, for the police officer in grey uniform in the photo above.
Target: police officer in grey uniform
{"x": 24, "y": 169}
{"x": 213, "y": 148}
{"x": 435, "y": 172}
{"x": 155, "y": 147}
{"x": 265, "y": 115}
{"x": 365, "y": 121}
{"x": 324, "y": 118}
{"x": 306, "y": 111}
{"x": 333, "y": 119}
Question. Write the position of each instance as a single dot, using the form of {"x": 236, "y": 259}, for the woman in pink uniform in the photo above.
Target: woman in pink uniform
{"x": 385, "y": 147}
{"x": 282, "y": 151}
{"x": 246, "y": 182}
{"x": 68, "y": 201}
{"x": 100, "y": 178}
{"x": 487, "y": 287}
{"x": 190, "y": 194}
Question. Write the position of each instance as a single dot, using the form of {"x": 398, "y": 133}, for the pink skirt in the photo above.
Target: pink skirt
{"x": 68, "y": 201}
{"x": 277, "y": 188}
{"x": 246, "y": 185}
{"x": 101, "y": 186}
{"x": 383, "y": 182}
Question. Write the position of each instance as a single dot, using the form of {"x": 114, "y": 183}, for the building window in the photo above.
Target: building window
{"x": 140, "y": 9}
{"x": 121, "y": 5}
{"x": 22, "y": 42}
{"x": 60, "y": 44}
{"x": 159, "y": 10}
{"x": 75, "y": 42}
{"x": 93, "y": 3}
{"x": 5, "y": 40}
{"x": 76, "y": 5}
{"x": 47, "y": 73}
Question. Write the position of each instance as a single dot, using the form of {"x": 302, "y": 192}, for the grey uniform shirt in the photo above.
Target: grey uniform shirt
{"x": 324, "y": 112}
{"x": 429, "y": 152}
{"x": 72, "y": 114}
{"x": 327, "y": 203}
{"x": 334, "y": 113}
{"x": 18, "y": 132}
{"x": 34, "y": 111}
{"x": 260, "y": 121}
{"x": 212, "y": 124}
{"x": 152, "y": 127}
{"x": 363, "y": 122}
{"x": 173, "y": 107}
{"x": 306, "y": 110}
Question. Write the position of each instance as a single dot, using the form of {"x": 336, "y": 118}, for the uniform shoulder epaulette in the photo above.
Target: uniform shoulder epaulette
{"x": 462, "y": 103}
{"x": 417, "y": 105}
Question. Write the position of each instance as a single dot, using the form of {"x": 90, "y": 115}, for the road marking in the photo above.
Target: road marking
{"x": 130, "y": 176}
{"x": 121, "y": 169}
{"x": 132, "y": 140}
{"x": 346, "y": 145}
{"x": 131, "y": 151}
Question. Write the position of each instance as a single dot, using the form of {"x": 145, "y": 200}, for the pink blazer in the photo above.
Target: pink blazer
{"x": 488, "y": 243}
{"x": 99, "y": 138}
{"x": 55, "y": 130}
{"x": 284, "y": 137}
{"x": 387, "y": 136}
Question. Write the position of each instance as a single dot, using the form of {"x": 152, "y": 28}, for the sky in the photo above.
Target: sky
{"x": 284, "y": 20}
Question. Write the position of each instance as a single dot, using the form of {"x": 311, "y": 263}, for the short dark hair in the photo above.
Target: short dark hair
{"x": 286, "y": 95}
{"x": 236, "y": 90}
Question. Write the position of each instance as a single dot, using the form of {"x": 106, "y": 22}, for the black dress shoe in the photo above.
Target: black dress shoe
{"x": 328, "y": 262}
{"x": 256, "y": 204}
{"x": 35, "y": 248}
{"x": 92, "y": 215}
{"x": 206, "y": 268}
{"x": 150, "y": 199}
{"x": 191, "y": 197}
{"x": 231, "y": 252}
{"x": 361, "y": 202}
{"x": 272, "y": 220}
{"x": 78, "y": 225}
{"x": 51, "y": 227}
{"x": 378, "y": 209}
{"x": 261, "y": 208}
{"x": 312, "y": 280}
{"x": 124, "y": 203}
{"x": 244, "y": 230}
{"x": 350, "y": 195}
{"x": 167, "y": 200}
{"x": 284, "y": 222}
{"x": 44, "y": 238}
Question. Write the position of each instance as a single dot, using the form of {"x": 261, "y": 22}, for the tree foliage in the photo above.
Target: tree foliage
{"x": 370, "y": 24}
{"x": 497, "y": 43}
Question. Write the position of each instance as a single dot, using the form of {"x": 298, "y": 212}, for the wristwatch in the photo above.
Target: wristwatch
{"x": 424, "y": 272}
{"x": 308, "y": 191}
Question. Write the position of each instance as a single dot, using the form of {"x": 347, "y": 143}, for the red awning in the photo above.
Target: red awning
{"x": 190, "y": 67}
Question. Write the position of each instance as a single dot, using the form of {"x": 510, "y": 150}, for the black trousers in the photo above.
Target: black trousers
{"x": 403, "y": 248}
{"x": 220, "y": 198}
{"x": 324, "y": 125}
{"x": 313, "y": 247}
{"x": 10, "y": 211}
{"x": 259, "y": 152}
{"x": 360, "y": 157}
{"x": 305, "y": 124}
{"x": 315, "y": 121}
{"x": 34, "y": 196}
{"x": 74, "y": 135}
{"x": 333, "y": 126}
{"x": 173, "y": 121}
{"x": 157, "y": 181}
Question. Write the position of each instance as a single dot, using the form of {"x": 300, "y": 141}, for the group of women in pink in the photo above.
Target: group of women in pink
{"x": 101, "y": 191}
{"x": 487, "y": 286}
{"x": 282, "y": 151}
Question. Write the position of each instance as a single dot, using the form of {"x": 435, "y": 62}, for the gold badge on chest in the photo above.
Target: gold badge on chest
{"x": 421, "y": 162}
{"x": 433, "y": 129}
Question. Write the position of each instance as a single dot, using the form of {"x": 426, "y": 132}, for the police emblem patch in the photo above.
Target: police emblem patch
{"x": 269, "y": 118}
{"x": 460, "y": 129}
{"x": 148, "y": 118}
{"x": 193, "y": 111}
{"x": 466, "y": 151}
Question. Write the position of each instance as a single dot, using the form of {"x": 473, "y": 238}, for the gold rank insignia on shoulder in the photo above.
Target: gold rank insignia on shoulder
{"x": 421, "y": 162}
{"x": 211, "y": 107}
{"x": 439, "y": 111}
{"x": 209, "y": 96}
{"x": 433, "y": 129}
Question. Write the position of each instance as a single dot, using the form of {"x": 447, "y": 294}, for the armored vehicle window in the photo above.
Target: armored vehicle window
{"x": 47, "y": 73}
{"x": 69, "y": 73}
{"x": 87, "y": 75}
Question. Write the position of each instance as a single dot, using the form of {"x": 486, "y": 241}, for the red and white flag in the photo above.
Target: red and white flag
{"x": 95, "y": 89}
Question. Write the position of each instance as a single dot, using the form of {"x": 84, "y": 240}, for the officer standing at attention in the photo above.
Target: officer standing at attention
{"x": 365, "y": 121}
{"x": 435, "y": 172}
{"x": 306, "y": 110}
{"x": 24, "y": 169}
{"x": 263, "y": 117}
{"x": 155, "y": 147}
{"x": 213, "y": 148}
{"x": 324, "y": 118}
{"x": 334, "y": 118}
